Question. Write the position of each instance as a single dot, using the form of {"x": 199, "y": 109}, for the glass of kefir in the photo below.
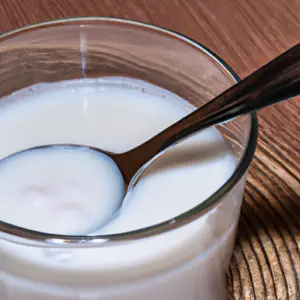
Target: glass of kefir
{"x": 113, "y": 84}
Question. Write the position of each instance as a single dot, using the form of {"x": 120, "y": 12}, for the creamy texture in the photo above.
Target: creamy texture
{"x": 116, "y": 115}
{"x": 60, "y": 190}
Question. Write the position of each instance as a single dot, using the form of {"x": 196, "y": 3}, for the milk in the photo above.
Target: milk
{"x": 60, "y": 190}
{"x": 117, "y": 114}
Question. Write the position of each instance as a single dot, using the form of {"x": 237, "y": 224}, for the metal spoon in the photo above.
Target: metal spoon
{"x": 276, "y": 81}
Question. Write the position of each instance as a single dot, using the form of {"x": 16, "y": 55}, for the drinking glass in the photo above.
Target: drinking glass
{"x": 191, "y": 266}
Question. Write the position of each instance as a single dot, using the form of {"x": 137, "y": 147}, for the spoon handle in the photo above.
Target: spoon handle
{"x": 276, "y": 81}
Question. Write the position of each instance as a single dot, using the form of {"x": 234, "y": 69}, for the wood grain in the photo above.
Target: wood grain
{"x": 266, "y": 261}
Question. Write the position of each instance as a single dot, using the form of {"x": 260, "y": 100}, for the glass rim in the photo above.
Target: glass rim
{"x": 20, "y": 235}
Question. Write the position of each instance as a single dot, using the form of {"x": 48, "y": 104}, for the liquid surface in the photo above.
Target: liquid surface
{"x": 117, "y": 115}
{"x": 106, "y": 117}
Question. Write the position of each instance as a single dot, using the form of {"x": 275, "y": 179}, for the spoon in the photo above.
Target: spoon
{"x": 276, "y": 81}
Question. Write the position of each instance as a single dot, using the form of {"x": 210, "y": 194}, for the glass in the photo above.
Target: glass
{"x": 195, "y": 267}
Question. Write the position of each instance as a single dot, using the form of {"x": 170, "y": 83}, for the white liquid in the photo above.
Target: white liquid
{"x": 56, "y": 190}
{"x": 187, "y": 263}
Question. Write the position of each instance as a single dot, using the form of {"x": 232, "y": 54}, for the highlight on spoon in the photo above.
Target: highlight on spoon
{"x": 60, "y": 189}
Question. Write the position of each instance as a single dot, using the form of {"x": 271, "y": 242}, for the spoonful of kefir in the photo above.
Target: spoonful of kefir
{"x": 82, "y": 187}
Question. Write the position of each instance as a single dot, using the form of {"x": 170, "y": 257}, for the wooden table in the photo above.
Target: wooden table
{"x": 266, "y": 261}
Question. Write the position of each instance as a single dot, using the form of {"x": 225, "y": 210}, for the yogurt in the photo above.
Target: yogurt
{"x": 60, "y": 190}
{"x": 114, "y": 114}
